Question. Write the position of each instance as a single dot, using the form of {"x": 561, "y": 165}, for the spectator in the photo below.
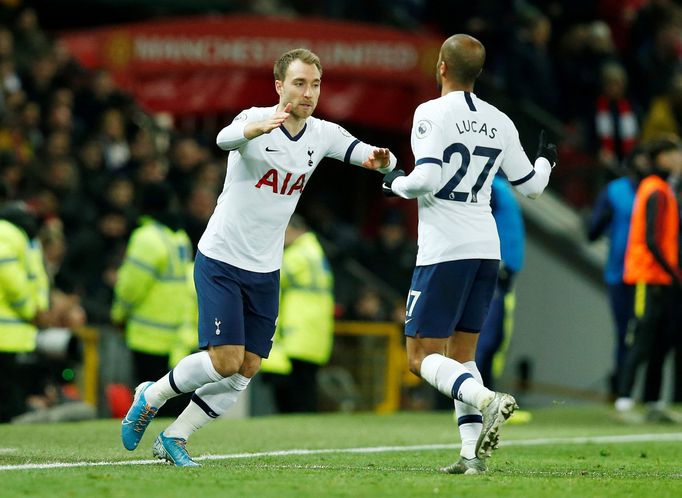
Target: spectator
{"x": 151, "y": 169}
{"x": 498, "y": 325}
{"x": 91, "y": 250}
{"x": 57, "y": 145}
{"x": 120, "y": 194}
{"x": 90, "y": 162}
{"x": 29, "y": 126}
{"x": 23, "y": 298}
{"x": 198, "y": 210}
{"x": 151, "y": 298}
{"x": 615, "y": 122}
{"x": 611, "y": 216}
{"x": 369, "y": 307}
{"x": 656, "y": 63}
{"x": 651, "y": 263}
{"x": 187, "y": 156}
{"x": 30, "y": 40}
{"x": 41, "y": 81}
{"x": 113, "y": 138}
{"x": 665, "y": 114}
{"x": 99, "y": 94}
{"x": 305, "y": 327}
{"x": 392, "y": 244}
{"x": 530, "y": 54}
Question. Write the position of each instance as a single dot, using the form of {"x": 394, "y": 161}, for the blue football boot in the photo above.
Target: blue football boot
{"x": 137, "y": 419}
{"x": 173, "y": 450}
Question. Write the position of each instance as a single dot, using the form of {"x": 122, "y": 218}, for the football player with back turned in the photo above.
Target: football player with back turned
{"x": 459, "y": 142}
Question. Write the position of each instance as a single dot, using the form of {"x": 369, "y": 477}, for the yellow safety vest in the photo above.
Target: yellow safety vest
{"x": 187, "y": 340}
{"x": 23, "y": 289}
{"x": 305, "y": 326}
{"x": 151, "y": 295}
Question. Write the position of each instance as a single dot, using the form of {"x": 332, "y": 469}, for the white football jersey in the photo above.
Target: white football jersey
{"x": 469, "y": 140}
{"x": 264, "y": 181}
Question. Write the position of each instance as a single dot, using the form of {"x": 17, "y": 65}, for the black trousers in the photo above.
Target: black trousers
{"x": 13, "y": 387}
{"x": 651, "y": 343}
{"x": 296, "y": 392}
{"x": 676, "y": 339}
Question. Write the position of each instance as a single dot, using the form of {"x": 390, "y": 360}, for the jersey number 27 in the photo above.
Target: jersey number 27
{"x": 448, "y": 191}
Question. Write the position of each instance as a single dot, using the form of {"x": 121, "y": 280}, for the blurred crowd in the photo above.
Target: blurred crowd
{"x": 77, "y": 151}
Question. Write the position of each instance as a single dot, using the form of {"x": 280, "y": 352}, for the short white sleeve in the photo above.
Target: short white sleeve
{"x": 427, "y": 139}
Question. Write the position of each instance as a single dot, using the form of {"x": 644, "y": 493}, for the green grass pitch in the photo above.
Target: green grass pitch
{"x": 563, "y": 452}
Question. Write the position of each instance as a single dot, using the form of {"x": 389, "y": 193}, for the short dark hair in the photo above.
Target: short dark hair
{"x": 464, "y": 56}
{"x": 302, "y": 54}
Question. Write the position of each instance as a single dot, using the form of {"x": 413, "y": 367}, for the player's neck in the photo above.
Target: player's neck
{"x": 294, "y": 125}
{"x": 451, "y": 86}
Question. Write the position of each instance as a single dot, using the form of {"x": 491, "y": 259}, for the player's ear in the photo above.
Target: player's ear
{"x": 442, "y": 68}
{"x": 278, "y": 87}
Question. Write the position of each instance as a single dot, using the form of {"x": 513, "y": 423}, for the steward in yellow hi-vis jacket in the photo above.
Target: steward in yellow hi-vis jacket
{"x": 153, "y": 294}
{"x": 23, "y": 294}
{"x": 304, "y": 336}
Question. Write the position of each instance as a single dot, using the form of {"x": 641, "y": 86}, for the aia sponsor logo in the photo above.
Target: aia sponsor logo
{"x": 286, "y": 187}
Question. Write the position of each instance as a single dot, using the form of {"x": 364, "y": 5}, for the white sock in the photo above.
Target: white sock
{"x": 208, "y": 402}
{"x": 452, "y": 379}
{"x": 190, "y": 373}
{"x": 469, "y": 420}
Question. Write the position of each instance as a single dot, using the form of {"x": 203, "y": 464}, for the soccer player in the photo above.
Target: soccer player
{"x": 459, "y": 142}
{"x": 273, "y": 152}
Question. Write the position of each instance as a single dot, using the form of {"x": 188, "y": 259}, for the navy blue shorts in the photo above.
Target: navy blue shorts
{"x": 236, "y": 306}
{"x": 450, "y": 296}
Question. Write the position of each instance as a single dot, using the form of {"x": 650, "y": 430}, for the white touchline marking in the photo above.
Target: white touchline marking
{"x": 4, "y": 451}
{"x": 626, "y": 438}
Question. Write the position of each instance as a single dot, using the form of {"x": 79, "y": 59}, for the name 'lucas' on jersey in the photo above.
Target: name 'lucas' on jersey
{"x": 473, "y": 126}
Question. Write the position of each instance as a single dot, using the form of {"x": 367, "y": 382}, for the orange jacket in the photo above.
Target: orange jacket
{"x": 641, "y": 265}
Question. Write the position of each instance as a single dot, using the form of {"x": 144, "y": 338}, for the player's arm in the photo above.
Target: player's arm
{"x": 371, "y": 157}
{"x": 656, "y": 204}
{"x": 345, "y": 147}
{"x": 244, "y": 128}
{"x": 529, "y": 179}
{"x": 424, "y": 179}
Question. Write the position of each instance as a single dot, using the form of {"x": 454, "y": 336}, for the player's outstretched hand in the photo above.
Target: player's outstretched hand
{"x": 388, "y": 181}
{"x": 276, "y": 119}
{"x": 378, "y": 158}
{"x": 547, "y": 150}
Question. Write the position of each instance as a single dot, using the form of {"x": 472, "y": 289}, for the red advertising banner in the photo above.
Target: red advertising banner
{"x": 372, "y": 74}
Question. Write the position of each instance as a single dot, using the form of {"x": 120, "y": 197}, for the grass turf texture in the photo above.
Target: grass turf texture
{"x": 599, "y": 469}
